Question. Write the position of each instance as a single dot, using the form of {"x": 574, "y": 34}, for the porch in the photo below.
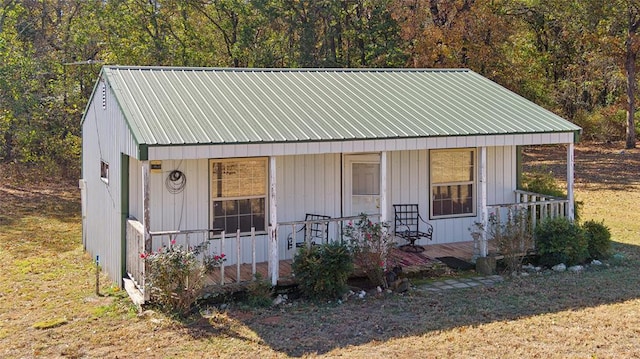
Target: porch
{"x": 243, "y": 264}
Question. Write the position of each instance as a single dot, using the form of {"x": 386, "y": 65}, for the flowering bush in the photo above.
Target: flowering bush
{"x": 370, "y": 244}
{"x": 175, "y": 275}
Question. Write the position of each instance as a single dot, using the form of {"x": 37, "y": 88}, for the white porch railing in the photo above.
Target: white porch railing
{"x": 135, "y": 265}
{"x": 535, "y": 206}
{"x": 300, "y": 231}
{"x": 135, "y": 247}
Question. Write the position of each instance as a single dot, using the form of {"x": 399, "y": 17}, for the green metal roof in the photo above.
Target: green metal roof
{"x": 172, "y": 105}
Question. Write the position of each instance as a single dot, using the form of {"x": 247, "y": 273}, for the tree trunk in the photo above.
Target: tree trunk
{"x": 630, "y": 69}
{"x": 630, "y": 72}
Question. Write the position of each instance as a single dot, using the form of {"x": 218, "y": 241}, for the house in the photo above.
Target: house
{"x": 240, "y": 156}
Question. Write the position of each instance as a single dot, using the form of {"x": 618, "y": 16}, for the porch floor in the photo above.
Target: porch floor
{"x": 410, "y": 262}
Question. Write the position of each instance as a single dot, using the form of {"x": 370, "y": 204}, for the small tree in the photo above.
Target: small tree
{"x": 176, "y": 275}
{"x": 370, "y": 243}
{"x": 513, "y": 237}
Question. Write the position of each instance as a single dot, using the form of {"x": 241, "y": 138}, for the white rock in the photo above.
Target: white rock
{"x": 559, "y": 267}
{"x": 378, "y": 289}
{"x": 278, "y": 300}
{"x": 576, "y": 269}
{"x": 524, "y": 274}
{"x": 596, "y": 262}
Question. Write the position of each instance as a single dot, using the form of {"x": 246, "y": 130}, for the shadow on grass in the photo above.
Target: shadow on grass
{"x": 35, "y": 219}
{"x": 19, "y": 202}
{"x": 306, "y": 328}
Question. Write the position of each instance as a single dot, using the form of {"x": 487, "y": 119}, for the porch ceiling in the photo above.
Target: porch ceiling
{"x": 175, "y": 106}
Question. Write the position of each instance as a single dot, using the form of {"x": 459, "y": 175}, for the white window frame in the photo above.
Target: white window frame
{"x": 473, "y": 182}
{"x": 213, "y": 200}
{"x": 104, "y": 171}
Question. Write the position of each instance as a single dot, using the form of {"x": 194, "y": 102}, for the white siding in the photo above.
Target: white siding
{"x": 105, "y": 137}
{"x": 501, "y": 174}
{"x": 307, "y": 184}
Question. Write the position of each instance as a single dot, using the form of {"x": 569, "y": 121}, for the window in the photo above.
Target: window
{"x": 452, "y": 183}
{"x": 104, "y": 171}
{"x": 238, "y": 193}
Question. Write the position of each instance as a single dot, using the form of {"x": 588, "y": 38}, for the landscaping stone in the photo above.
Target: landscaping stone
{"x": 576, "y": 268}
{"x": 596, "y": 262}
{"x": 559, "y": 267}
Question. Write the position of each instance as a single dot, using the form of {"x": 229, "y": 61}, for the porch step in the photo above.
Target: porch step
{"x": 134, "y": 293}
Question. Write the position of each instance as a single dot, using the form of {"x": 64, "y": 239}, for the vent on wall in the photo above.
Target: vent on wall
{"x": 104, "y": 96}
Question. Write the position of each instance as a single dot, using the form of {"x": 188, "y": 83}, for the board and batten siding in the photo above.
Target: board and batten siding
{"x": 306, "y": 184}
{"x": 408, "y": 173}
{"x": 106, "y": 137}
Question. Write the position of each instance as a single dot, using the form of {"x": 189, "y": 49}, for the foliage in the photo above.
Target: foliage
{"x": 559, "y": 240}
{"x": 370, "y": 244}
{"x": 598, "y": 239}
{"x": 543, "y": 182}
{"x": 176, "y": 276}
{"x": 513, "y": 237}
{"x": 322, "y": 270}
{"x": 259, "y": 292}
{"x": 566, "y": 56}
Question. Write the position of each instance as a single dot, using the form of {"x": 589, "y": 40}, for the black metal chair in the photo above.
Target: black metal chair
{"x": 315, "y": 231}
{"x": 407, "y": 226}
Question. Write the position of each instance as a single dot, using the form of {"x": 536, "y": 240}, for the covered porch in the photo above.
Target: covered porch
{"x": 243, "y": 266}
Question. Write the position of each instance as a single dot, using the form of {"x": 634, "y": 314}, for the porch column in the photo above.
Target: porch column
{"x": 274, "y": 263}
{"x": 146, "y": 223}
{"x": 571, "y": 211}
{"x": 383, "y": 187}
{"x": 482, "y": 203}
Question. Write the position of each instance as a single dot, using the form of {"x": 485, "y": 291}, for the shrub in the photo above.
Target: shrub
{"x": 598, "y": 239}
{"x": 559, "y": 240}
{"x": 370, "y": 244}
{"x": 513, "y": 238}
{"x": 259, "y": 292}
{"x": 322, "y": 270}
{"x": 543, "y": 182}
{"x": 175, "y": 277}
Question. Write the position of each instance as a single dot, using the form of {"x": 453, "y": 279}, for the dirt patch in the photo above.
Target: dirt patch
{"x": 598, "y": 165}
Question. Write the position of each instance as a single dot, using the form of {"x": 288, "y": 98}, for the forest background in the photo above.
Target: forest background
{"x": 576, "y": 58}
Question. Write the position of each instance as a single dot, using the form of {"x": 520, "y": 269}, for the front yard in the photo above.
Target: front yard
{"x": 49, "y": 283}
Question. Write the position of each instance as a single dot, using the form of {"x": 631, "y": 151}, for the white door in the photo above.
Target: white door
{"x": 362, "y": 184}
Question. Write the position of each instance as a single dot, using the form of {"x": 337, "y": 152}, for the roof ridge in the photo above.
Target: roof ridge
{"x": 283, "y": 69}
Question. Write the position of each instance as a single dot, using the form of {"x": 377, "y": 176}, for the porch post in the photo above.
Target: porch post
{"x": 383, "y": 187}
{"x": 482, "y": 203}
{"x": 571, "y": 205}
{"x": 146, "y": 223}
{"x": 274, "y": 263}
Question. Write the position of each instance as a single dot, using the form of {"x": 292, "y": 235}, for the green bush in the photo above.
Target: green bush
{"x": 559, "y": 240}
{"x": 598, "y": 239}
{"x": 259, "y": 292}
{"x": 542, "y": 181}
{"x": 322, "y": 270}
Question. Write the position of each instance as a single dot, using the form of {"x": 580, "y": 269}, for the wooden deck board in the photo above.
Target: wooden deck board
{"x": 462, "y": 250}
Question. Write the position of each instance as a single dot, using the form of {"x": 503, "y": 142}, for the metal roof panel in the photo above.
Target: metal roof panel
{"x": 173, "y": 105}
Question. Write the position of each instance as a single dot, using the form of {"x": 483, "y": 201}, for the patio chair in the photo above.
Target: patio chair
{"x": 317, "y": 232}
{"x": 407, "y": 226}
